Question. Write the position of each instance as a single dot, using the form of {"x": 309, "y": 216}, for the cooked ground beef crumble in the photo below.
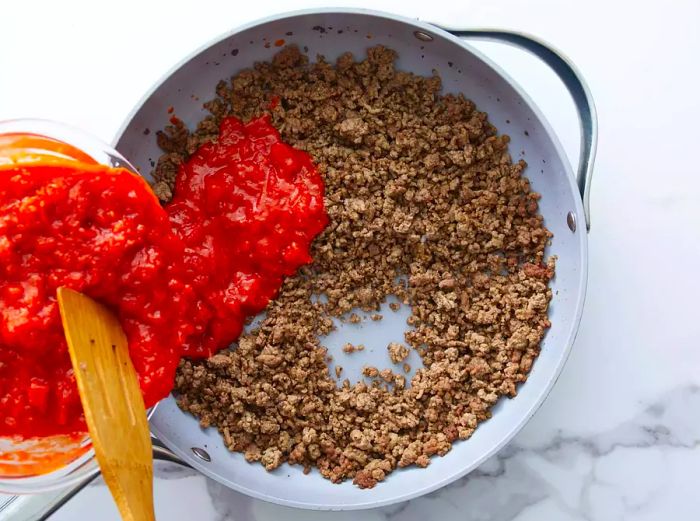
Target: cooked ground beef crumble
{"x": 425, "y": 204}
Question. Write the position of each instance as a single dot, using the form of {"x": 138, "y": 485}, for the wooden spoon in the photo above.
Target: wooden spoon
{"x": 112, "y": 402}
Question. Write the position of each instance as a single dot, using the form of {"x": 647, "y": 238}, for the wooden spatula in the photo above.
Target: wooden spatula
{"x": 112, "y": 402}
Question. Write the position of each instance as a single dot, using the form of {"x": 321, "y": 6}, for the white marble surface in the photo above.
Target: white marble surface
{"x": 619, "y": 436}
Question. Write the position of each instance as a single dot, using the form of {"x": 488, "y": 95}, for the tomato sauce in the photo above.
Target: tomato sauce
{"x": 247, "y": 208}
{"x": 100, "y": 231}
{"x": 182, "y": 279}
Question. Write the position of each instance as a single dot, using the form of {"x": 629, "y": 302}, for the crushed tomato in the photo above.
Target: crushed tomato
{"x": 247, "y": 208}
{"x": 182, "y": 279}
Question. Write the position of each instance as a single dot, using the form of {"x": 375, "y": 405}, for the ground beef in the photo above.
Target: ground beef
{"x": 397, "y": 352}
{"x": 426, "y": 204}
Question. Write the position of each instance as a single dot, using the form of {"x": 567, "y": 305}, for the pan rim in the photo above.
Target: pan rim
{"x": 570, "y": 335}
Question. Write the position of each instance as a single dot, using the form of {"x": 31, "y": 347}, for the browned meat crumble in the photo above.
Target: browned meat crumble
{"x": 426, "y": 204}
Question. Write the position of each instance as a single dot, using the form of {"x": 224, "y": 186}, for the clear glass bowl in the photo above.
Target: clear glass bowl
{"x": 43, "y": 464}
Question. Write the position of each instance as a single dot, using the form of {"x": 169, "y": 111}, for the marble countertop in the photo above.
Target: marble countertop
{"x": 619, "y": 436}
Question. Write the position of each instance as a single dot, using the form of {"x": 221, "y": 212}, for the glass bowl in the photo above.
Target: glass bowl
{"x": 41, "y": 464}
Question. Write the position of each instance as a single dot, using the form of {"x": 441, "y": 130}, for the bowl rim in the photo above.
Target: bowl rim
{"x": 84, "y": 466}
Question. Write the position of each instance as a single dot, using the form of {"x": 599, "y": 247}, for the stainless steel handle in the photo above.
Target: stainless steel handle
{"x": 575, "y": 84}
{"x": 38, "y": 507}
{"x": 163, "y": 453}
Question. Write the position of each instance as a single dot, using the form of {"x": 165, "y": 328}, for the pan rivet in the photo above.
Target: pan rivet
{"x": 201, "y": 454}
{"x": 571, "y": 221}
{"x": 424, "y": 37}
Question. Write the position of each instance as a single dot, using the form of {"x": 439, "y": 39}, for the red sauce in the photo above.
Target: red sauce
{"x": 99, "y": 231}
{"x": 182, "y": 279}
{"x": 247, "y": 209}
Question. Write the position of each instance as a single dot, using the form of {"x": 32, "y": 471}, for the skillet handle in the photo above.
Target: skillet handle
{"x": 38, "y": 507}
{"x": 163, "y": 453}
{"x": 575, "y": 84}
